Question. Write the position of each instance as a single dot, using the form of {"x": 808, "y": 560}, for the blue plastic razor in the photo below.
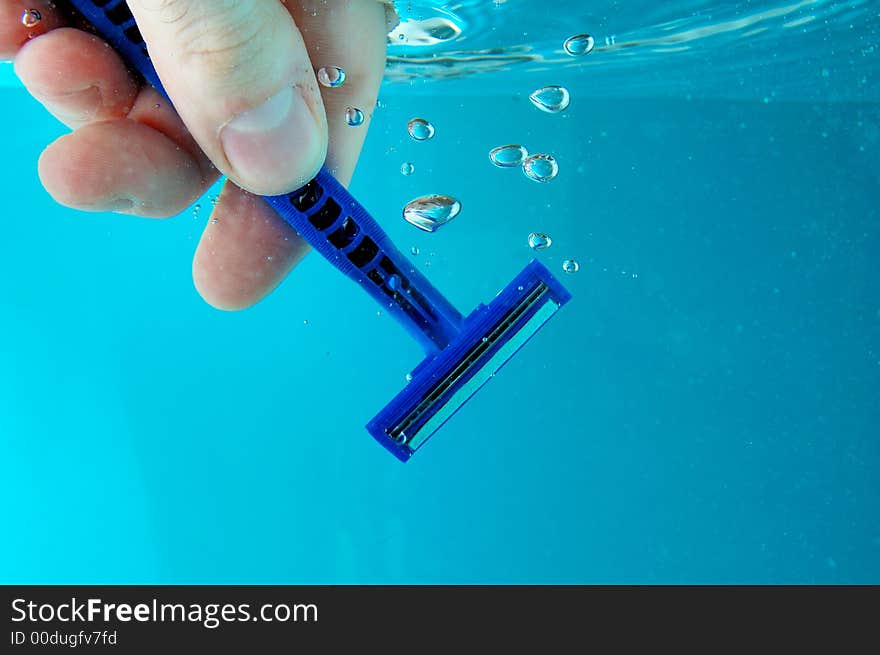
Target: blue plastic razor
{"x": 462, "y": 353}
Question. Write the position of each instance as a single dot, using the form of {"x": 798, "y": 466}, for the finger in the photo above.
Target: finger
{"x": 76, "y": 77}
{"x": 81, "y": 81}
{"x": 349, "y": 35}
{"x": 230, "y": 269}
{"x": 239, "y": 76}
{"x": 121, "y": 165}
{"x": 15, "y": 30}
{"x": 245, "y": 251}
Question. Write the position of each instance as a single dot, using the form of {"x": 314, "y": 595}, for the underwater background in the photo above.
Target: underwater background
{"x": 705, "y": 410}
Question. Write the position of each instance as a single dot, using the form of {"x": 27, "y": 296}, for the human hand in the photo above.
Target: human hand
{"x": 242, "y": 79}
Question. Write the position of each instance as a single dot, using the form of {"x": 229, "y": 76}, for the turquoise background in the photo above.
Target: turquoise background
{"x": 704, "y": 411}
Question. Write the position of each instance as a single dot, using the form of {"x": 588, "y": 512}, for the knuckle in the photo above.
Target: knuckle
{"x": 223, "y": 44}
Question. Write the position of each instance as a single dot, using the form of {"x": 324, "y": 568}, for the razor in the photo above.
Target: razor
{"x": 461, "y": 353}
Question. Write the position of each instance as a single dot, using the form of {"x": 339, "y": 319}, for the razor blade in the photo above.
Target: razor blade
{"x": 489, "y": 337}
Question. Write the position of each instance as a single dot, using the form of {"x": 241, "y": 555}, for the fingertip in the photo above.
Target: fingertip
{"x": 120, "y": 165}
{"x": 52, "y": 169}
{"x": 76, "y": 77}
{"x": 245, "y": 251}
{"x": 219, "y": 298}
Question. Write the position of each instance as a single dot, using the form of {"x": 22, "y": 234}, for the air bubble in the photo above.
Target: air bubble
{"x": 423, "y": 30}
{"x": 570, "y": 266}
{"x": 407, "y": 168}
{"x": 331, "y": 76}
{"x": 31, "y": 17}
{"x": 428, "y": 213}
{"x": 539, "y": 241}
{"x": 509, "y": 156}
{"x": 551, "y": 99}
{"x": 354, "y": 116}
{"x": 580, "y": 44}
{"x": 540, "y": 168}
{"x": 414, "y": 250}
{"x": 420, "y": 129}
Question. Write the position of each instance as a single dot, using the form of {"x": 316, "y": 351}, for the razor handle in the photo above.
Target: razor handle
{"x": 322, "y": 212}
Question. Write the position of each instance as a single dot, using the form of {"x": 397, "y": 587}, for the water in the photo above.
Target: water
{"x": 705, "y": 410}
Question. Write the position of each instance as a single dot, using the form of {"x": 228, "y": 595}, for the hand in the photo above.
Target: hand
{"x": 241, "y": 76}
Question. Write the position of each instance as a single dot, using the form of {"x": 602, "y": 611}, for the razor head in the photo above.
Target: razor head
{"x": 490, "y": 336}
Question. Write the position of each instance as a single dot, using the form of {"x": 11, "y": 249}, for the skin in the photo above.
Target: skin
{"x": 131, "y": 152}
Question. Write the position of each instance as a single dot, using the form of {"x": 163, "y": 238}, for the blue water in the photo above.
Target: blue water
{"x": 706, "y": 410}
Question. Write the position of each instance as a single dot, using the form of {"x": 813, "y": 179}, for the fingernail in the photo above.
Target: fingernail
{"x": 274, "y": 147}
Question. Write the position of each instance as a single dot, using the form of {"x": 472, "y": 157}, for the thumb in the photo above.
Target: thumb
{"x": 239, "y": 75}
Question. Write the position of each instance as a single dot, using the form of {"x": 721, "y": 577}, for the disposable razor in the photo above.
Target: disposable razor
{"x": 461, "y": 353}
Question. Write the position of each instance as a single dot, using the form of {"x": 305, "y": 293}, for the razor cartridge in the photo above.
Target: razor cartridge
{"x": 462, "y": 353}
{"x": 489, "y": 337}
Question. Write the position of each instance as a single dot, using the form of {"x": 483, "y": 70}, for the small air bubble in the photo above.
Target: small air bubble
{"x": 551, "y": 99}
{"x": 354, "y": 116}
{"x": 407, "y": 168}
{"x": 430, "y": 212}
{"x": 414, "y": 250}
{"x": 570, "y": 266}
{"x": 420, "y": 129}
{"x": 539, "y": 241}
{"x": 331, "y": 76}
{"x": 540, "y": 168}
{"x": 581, "y": 44}
{"x": 509, "y": 156}
{"x": 31, "y": 18}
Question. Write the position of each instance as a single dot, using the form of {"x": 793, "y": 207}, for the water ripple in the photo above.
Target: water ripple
{"x": 689, "y": 46}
